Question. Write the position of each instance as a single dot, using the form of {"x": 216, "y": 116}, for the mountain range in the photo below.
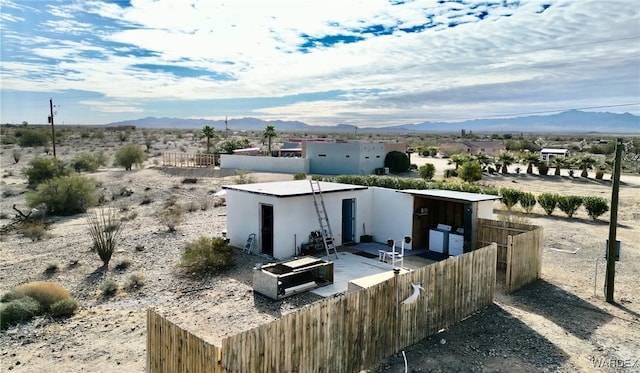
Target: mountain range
{"x": 573, "y": 121}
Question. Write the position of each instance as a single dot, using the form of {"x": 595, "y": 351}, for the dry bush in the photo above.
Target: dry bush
{"x": 123, "y": 265}
{"x": 45, "y": 293}
{"x": 136, "y": 281}
{"x": 35, "y": 230}
{"x": 192, "y": 206}
{"x": 207, "y": 255}
{"x": 18, "y": 310}
{"x": 108, "y": 287}
{"x": 171, "y": 217}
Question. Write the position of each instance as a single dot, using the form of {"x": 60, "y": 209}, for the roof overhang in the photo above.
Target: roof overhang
{"x": 296, "y": 188}
{"x": 450, "y": 195}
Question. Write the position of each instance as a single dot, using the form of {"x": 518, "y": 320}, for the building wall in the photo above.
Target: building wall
{"x": 294, "y": 218}
{"x": 485, "y": 209}
{"x": 391, "y": 215}
{"x": 265, "y": 164}
{"x": 352, "y": 158}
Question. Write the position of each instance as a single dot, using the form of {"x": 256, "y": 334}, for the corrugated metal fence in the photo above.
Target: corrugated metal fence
{"x": 354, "y": 331}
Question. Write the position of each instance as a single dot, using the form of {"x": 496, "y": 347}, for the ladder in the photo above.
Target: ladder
{"x": 323, "y": 219}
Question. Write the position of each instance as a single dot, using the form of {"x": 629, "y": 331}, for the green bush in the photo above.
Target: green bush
{"x": 543, "y": 168}
{"x": 548, "y": 202}
{"x": 243, "y": 177}
{"x": 427, "y": 170}
{"x": 300, "y": 176}
{"x": 42, "y": 169}
{"x": 85, "y": 162}
{"x": 510, "y": 197}
{"x": 527, "y": 201}
{"x": 66, "y": 195}
{"x": 569, "y": 204}
{"x": 18, "y": 310}
{"x": 45, "y": 293}
{"x": 397, "y": 161}
{"x": 470, "y": 171}
{"x": 595, "y": 206}
{"x": 33, "y": 138}
{"x": 207, "y": 255}
{"x": 64, "y": 308}
{"x": 129, "y": 155}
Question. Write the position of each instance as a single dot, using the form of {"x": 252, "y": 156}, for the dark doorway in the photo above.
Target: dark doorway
{"x": 348, "y": 221}
{"x": 266, "y": 229}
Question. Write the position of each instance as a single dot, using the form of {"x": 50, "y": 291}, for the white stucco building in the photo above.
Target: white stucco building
{"x": 282, "y": 214}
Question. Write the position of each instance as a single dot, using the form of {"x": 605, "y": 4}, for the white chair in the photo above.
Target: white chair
{"x": 395, "y": 256}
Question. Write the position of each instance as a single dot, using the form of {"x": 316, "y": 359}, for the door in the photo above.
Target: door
{"x": 468, "y": 228}
{"x": 348, "y": 221}
{"x": 266, "y": 229}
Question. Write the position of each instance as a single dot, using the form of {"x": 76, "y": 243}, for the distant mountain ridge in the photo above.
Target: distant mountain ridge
{"x": 573, "y": 121}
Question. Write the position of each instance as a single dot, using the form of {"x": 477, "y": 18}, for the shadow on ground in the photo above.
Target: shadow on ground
{"x": 491, "y": 340}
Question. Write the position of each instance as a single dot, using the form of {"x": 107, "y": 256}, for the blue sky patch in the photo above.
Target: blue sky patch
{"x": 183, "y": 72}
{"x": 326, "y": 41}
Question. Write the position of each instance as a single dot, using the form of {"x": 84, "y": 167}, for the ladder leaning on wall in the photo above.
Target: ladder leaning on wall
{"x": 323, "y": 219}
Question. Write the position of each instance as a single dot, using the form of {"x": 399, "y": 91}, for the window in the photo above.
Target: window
{"x": 347, "y": 156}
{"x": 322, "y": 155}
{"x": 377, "y": 156}
{"x": 367, "y": 157}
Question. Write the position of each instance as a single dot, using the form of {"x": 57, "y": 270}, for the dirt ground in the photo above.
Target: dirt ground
{"x": 556, "y": 324}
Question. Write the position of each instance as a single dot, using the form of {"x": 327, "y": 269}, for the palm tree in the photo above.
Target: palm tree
{"x": 530, "y": 159}
{"x": 459, "y": 159}
{"x": 269, "y": 133}
{"x": 586, "y": 162}
{"x": 209, "y": 133}
{"x": 558, "y": 163}
{"x": 484, "y": 160}
{"x": 506, "y": 159}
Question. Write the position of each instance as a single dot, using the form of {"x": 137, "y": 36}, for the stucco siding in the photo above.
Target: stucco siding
{"x": 392, "y": 215}
{"x": 265, "y": 164}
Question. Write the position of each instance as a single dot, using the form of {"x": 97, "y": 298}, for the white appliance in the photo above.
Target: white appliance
{"x": 456, "y": 244}
{"x": 439, "y": 238}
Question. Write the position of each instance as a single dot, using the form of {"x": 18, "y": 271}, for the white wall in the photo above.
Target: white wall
{"x": 267, "y": 164}
{"x": 243, "y": 216}
{"x": 485, "y": 209}
{"x": 392, "y": 215}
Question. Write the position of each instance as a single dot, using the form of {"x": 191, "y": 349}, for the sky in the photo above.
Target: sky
{"x": 323, "y": 62}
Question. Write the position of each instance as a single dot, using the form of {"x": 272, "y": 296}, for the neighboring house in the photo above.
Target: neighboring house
{"x": 282, "y": 215}
{"x": 491, "y": 148}
{"x": 548, "y": 154}
{"x": 354, "y": 158}
{"x": 247, "y": 151}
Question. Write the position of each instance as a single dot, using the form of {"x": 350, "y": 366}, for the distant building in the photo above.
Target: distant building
{"x": 548, "y": 154}
{"x": 491, "y": 148}
{"x": 121, "y": 128}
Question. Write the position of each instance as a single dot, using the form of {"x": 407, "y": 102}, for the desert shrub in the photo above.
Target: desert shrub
{"x": 104, "y": 229}
{"x": 51, "y": 269}
{"x": 192, "y": 206}
{"x": 595, "y": 206}
{"x": 18, "y": 310}
{"x": 8, "y": 140}
{"x": 45, "y": 293}
{"x": 300, "y": 176}
{"x": 16, "y": 155}
{"x": 206, "y": 255}
{"x": 470, "y": 171}
{"x": 146, "y": 200}
{"x": 171, "y": 217}
{"x": 85, "y": 162}
{"x": 64, "y": 308}
{"x": 204, "y": 203}
{"x": 129, "y": 155}
{"x": 171, "y": 200}
{"x": 243, "y": 177}
{"x": 67, "y": 195}
{"x": 136, "y": 281}
{"x": 123, "y": 265}
{"x": 548, "y": 202}
{"x": 527, "y": 201}
{"x": 30, "y": 138}
{"x": 397, "y": 161}
{"x": 42, "y": 169}
{"x": 569, "y": 204}
{"x": 189, "y": 180}
{"x": 599, "y": 174}
{"x": 450, "y": 172}
{"x": 34, "y": 230}
{"x": 427, "y": 170}
{"x": 510, "y": 197}
{"x": 108, "y": 287}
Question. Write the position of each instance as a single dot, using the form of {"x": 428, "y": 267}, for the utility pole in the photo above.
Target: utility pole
{"x": 613, "y": 223}
{"x": 226, "y": 128}
{"x": 53, "y": 132}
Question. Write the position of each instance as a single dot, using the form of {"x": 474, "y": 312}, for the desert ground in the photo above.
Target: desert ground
{"x": 557, "y": 324}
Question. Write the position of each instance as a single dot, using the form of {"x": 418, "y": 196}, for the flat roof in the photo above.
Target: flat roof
{"x": 450, "y": 195}
{"x": 291, "y": 188}
{"x": 553, "y": 150}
